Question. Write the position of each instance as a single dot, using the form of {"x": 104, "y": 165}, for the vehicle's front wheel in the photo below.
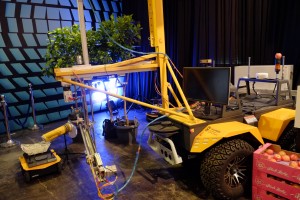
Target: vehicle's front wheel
{"x": 226, "y": 169}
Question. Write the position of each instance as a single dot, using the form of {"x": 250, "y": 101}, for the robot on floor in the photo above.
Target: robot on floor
{"x": 38, "y": 160}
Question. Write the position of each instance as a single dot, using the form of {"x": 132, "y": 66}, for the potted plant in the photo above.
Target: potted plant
{"x": 106, "y": 45}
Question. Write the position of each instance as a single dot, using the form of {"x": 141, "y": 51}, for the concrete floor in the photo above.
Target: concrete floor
{"x": 153, "y": 179}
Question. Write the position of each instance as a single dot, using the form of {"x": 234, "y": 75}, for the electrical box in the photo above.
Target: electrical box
{"x": 242, "y": 72}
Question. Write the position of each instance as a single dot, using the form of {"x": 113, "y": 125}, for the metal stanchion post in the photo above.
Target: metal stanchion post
{"x": 35, "y": 125}
{"x": 9, "y": 142}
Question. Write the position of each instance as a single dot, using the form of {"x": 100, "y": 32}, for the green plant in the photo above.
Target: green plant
{"x": 64, "y": 44}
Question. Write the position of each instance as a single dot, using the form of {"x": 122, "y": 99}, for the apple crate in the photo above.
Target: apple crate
{"x": 260, "y": 194}
{"x": 274, "y": 180}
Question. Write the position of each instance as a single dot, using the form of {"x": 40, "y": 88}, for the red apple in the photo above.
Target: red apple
{"x": 272, "y": 159}
{"x": 294, "y": 157}
{"x": 270, "y": 151}
{"x": 267, "y": 155}
{"x": 286, "y": 158}
{"x": 282, "y": 153}
{"x": 293, "y": 164}
{"x": 277, "y": 157}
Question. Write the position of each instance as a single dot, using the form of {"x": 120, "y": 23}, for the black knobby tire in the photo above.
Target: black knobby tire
{"x": 287, "y": 140}
{"x": 222, "y": 163}
{"x": 27, "y": 176}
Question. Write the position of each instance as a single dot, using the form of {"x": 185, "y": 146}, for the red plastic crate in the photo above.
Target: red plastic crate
{"x": 260, "y": 194}
{"x": 274, "y": 177}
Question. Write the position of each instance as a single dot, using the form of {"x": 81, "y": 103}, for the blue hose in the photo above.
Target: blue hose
{"x": 138, "y": 154}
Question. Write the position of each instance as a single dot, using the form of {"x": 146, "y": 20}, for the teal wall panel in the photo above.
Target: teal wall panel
{"x": 25, "y": 11}
{"x": 41, "y": 26}
{"x": 42, "y": 39}
{"x": 24, "y": 26}
{"x": 12, "y": 25}
{"x": 29, "y": 39}
{"x": 32, "y": 54}
{"x": 14, "y": 39}
{"x": 39, "y": 12}
{"x": 33, "y": 67}
{"x": 23, "y": 95}
{"x": 27, "y": 25}
{"x": 7, "y": 85}
{"x": 3, "y": 56}
{"x": 18, "y": 67}
{"x": 21, "y": 82}
{"x": 38, "y": 94}
{"x": 10, "y": 98}
{"x": 2, "y": 44}
{"x": 4, "y": 71}
{"x": 10, "y": 10}
{"x": 17, "y": 54}
{"x": 35, "y": 80}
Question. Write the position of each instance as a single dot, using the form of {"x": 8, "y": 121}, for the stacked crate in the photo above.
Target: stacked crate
{"x": 275, "y": 179}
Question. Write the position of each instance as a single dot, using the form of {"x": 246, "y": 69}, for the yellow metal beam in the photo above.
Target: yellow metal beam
{"x": 179, "y": 115}
{"x": 139, "y": 64}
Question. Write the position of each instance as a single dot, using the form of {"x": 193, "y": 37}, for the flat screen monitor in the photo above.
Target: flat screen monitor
{"x": 207, "y": 84}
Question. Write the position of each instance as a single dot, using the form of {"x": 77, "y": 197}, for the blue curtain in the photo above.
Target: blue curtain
{"x": 227, "y": 31}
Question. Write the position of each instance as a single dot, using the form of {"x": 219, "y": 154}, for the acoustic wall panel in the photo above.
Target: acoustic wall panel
{"x": 42, "y": 39}
{"x": 52, "y": 13}
{"x": 10, "y": 10}
{"x": 35, "y": 80}
{"x": 23, "y": 41}
{"x": 17, "y": 54}
{"x": 10, "y": 97}
{"x": 115, "y": 6}
{"x": 29, "y": 39}
{"x": 32, "y": 54}
{"x": 23, "y": 95}
{"x": 37, "y": 1}
{"x": 23, "y": 108}
{"x": 42, "y": 53}
{"x": 27, "y": 25}
{"x": 53, "y": 24}
{"x": 65, "y": 14}
{"x": 41, "y": 26}
{"x": 25, "y": 11}
{"x": 52, "y": 104}
{"x": 3, "y": 56}
{"x": 33, "y": 67}
{"x": 65, "y": 3}
{"x": 6, "y": 84}
{"x": 13, "y": 111}
{"x": 2, "y": 44}
{"x": 18, "y": 67}
{"x": 38, "y": 94}
{"x": 21, "y": 82}
{"x": 14, "y": 39}
{"x": 40, "y": 106}
{"x": 105, "y": 5}
{"x": 52, "y": 2}
{"x": 12, "y": 25}
{"x": 4, "y": 71}
{"x": 39, "y": 12}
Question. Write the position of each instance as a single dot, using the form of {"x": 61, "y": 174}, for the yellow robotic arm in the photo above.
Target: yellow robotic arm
{"x": 66, "y": 128}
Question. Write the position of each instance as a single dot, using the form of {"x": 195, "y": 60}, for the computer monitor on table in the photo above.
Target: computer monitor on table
{"x": 207, "y": 84}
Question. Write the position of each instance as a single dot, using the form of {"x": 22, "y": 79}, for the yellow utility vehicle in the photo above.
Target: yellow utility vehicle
{"x": 224, "y": 143}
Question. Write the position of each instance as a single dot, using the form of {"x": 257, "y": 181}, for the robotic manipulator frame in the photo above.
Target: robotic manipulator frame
{"x": 153, "y": 61}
